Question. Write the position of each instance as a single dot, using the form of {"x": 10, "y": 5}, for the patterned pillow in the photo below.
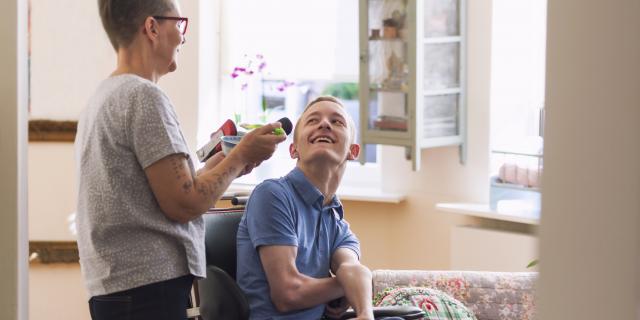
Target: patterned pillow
{"x": 436, "y": 304}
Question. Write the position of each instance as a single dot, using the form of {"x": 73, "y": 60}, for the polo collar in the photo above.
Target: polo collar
{"x": 310, "y": 194}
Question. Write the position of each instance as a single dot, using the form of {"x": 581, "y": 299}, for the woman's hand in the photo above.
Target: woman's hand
{"x": 212, "y": 162}
{"x": 257, "y": 145}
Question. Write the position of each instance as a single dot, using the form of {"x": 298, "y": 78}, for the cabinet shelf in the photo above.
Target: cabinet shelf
{"x": 419, "y": 75}
{"x": 526, "y": 154}
{"x": 387, "y": 39}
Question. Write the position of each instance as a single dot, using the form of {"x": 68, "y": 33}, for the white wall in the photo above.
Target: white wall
{"x": 13, "y": 135}
{"x": 591, "y": 206}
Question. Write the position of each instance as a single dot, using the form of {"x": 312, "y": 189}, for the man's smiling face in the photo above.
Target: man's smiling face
{"x": 324, "y": 133}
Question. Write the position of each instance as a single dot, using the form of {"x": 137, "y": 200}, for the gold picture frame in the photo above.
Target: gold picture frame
{"x": 52, "y": 131}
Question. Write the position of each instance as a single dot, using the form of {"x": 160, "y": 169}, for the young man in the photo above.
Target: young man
{"x": 293, "y": 235}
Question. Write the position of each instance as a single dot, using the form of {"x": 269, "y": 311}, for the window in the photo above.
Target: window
{"x": 517, "y": 101}
{"x": 308, "y": 43}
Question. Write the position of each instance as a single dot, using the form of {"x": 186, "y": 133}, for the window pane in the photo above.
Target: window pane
{"x": 440, "y": 116}
{"x": 441, "y": 18}
{"x": 441, "y": 66}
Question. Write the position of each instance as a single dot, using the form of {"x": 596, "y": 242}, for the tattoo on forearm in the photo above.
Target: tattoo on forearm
{"x": 218, "y": 181}
{"x": 187, "y": 186}
{"x": 178, "y": 167}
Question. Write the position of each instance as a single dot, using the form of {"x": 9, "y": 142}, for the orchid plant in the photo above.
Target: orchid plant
{"x": 254, "y": 65}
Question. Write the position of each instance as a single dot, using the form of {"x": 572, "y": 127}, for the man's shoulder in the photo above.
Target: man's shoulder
{"x": 278, "y": 187}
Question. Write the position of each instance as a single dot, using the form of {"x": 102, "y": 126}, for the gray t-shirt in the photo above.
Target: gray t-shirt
{"x": 125, "y": 240}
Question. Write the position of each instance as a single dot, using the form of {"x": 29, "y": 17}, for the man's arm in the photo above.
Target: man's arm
{"x": 355, "y": 279}
{"x": 183, "y": 197}
{"x": 289, "y": 289}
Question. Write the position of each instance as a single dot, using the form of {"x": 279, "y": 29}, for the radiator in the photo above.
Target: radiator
{"x": 478, "y": 249}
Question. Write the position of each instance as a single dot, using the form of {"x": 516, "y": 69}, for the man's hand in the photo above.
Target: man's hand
{"x": 336, "y": 308}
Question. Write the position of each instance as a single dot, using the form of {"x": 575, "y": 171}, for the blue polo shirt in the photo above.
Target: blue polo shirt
{"x": 289, "y": 211}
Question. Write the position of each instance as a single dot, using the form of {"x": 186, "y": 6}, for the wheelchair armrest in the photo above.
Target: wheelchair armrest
{"x": 221, "y": 298}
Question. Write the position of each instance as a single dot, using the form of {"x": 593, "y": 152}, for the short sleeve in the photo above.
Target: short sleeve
{"x": 152, "y": 126}
{"x": 345, "y": 238}
{"x": 270, "y": 217}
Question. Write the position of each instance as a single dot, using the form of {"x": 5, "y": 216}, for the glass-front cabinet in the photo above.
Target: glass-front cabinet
{"x": 412, "y": 74}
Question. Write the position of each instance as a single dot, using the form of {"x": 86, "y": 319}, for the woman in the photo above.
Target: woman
{"x": 140, "y": 230}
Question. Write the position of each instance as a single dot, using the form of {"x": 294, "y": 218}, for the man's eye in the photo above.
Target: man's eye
{"x": 337, "y": 121}
{"x": 312, "y": 120}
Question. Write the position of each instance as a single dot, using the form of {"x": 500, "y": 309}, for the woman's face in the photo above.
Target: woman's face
{"x": 171, "y": 39}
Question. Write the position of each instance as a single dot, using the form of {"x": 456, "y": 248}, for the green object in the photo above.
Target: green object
{"x": 249, "y": 126}
{"x": 436, "y": 304}
{"x": 532, "y": 263}
{"x": 342, "y": 90}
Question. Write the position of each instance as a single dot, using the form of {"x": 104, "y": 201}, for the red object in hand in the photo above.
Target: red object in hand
{"x": 228, "y": 128}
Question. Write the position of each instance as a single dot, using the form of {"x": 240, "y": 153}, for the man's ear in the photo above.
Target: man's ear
{"x": 354, "y": 151}
{"x": 150, "y": 28}
{"x": 293, "y": 152}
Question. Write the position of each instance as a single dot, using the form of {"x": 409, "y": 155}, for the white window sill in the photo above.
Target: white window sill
{"x": 483, "y": 211}
{"x": 344, "y": 193}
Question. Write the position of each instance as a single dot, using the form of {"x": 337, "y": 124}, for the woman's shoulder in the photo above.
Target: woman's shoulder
{"x": 130, "y": 84}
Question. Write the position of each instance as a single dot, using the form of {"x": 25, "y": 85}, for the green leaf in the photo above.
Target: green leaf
{"x": 532, "y": 264}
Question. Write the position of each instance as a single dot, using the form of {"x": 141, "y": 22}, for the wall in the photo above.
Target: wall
{"x": 13, "y": 135}
{"x": 590, "y": 229}
{"x": 71, "y": 55}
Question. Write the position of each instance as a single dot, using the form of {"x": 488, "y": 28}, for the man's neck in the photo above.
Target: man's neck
{"x": 137, "y": 60}
{"x": 324, "y": 177}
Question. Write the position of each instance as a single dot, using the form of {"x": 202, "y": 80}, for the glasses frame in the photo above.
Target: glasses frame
{"x": 182, "y": 19}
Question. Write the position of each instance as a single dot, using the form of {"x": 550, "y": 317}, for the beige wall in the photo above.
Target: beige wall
{"x": 591, "y": 222}
{"x": 57, "y": 292}
{"x": 71, "y": 55}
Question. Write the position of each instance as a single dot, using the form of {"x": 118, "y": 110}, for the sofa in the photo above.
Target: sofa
{"x": 489, "y": 295}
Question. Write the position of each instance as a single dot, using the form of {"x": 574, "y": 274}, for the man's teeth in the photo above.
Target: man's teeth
{"x": 323, "y": 139}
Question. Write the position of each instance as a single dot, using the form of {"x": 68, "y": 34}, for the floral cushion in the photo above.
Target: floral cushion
{"x": 436, "y": 304}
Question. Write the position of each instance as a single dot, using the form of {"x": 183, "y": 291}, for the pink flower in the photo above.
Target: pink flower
{"x": 285, "y": 84}
{"x": 427, "y": 304}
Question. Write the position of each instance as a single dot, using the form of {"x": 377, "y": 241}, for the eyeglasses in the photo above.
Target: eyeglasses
{"x": 182, "y": 22}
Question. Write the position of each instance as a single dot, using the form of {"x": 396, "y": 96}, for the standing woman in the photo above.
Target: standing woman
{"x": 140, "y": 201}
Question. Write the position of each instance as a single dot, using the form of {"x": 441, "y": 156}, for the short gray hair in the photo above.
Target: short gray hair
{"x": 122, "y": 18}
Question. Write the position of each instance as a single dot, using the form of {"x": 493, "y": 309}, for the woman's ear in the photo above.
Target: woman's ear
{"x": 354, "y": 151}
{"x": 150, "y": 28}
{"x": 293, "y": 152}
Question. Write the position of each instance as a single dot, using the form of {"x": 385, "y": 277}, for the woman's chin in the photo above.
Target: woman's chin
{"x": 173, "y": 66}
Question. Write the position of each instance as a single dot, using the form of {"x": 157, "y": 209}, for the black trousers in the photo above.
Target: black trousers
{"x": 166, "y": 300}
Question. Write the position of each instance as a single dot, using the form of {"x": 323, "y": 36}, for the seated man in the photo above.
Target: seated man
{"x": 293, "y": 235}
